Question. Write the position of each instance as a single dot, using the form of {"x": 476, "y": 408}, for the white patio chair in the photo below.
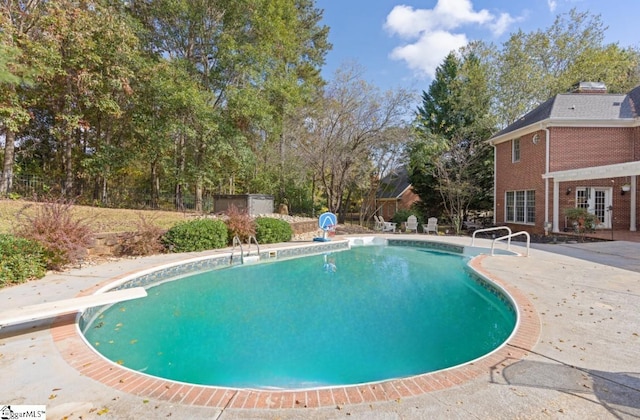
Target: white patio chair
{"x": 411, "y": 225}
{"x": 387, "y": 226}
{"x": 431, "y": 226}
{"x": 379, "y": 225}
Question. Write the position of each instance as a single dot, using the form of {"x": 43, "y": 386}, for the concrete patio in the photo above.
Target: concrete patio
{"x": 583, "y": 365}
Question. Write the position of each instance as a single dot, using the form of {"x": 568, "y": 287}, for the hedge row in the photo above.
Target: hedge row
{"x": 203, "y": 234}
{"x": 23, "y": 259}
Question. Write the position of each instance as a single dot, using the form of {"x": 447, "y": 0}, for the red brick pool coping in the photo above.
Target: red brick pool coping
{"x": 84, "y": 359}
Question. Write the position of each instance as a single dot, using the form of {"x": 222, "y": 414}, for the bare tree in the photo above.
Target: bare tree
{"x": 338, "y": 137}
{"x": 388, "y": 154}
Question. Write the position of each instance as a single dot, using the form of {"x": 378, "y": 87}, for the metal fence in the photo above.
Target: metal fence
{"x": 29, "y": 186}
{"x": 34, "y": 187}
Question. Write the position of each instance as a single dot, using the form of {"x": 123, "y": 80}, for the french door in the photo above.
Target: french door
{"x": 597, "y": 201}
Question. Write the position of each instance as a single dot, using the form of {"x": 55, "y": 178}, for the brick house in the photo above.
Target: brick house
{"x": 395, "y": 193}
{"x": 579, "y": 149}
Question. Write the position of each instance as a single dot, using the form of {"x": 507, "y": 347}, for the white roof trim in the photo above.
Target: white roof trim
{"x": 563, "y": 122}
{"x": 405, "y": 190}
{"x": 596, "y": 172}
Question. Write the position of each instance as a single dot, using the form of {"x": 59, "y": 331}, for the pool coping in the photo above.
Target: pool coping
{"x": 79, "y": 355}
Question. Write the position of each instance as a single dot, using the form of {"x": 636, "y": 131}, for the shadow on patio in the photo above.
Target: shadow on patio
{"x": 598, "y": 235}
{"x": 617, "y": 392}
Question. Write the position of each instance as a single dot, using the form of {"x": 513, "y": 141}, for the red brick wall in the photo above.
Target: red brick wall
{"x": 523, "y": 175}
{"x": 606, "y": 146}
{"x": 578, "y": 147}
{"x": 570, "y": 148}
{"x": 621, "y": 203}
{"x": 388, "y": 208}
{"x": 408, "y": 199}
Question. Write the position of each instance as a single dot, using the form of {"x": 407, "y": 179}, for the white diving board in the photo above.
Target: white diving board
{"x": 60, "y": 307}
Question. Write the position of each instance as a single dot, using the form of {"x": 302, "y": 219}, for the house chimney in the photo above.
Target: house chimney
{"x": 590, "y": 88}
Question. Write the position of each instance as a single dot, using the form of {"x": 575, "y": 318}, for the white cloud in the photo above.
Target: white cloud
{"x": 552, "y": 5}
{"x": 431, "y": 34}
{"x": 501, "y": 24}
{"x": 453, "y": 13}
{"x": 426, "y": 54}
{"x": 407, "y": 22}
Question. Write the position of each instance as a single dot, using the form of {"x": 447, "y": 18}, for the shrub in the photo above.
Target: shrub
{"x": 196, "y": 235}
{"x": 401, "y": 216}
{"x": 20, "y": 260}
{"x": 582, "y": 220}
{"x": 64, "y": 237}
{"x": 269, "y": 230}
{"x": 239, "y": 224}
{"x": 146, "y": 240}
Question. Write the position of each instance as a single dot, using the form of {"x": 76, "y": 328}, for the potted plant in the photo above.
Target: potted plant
{"x": 581, "y": 220}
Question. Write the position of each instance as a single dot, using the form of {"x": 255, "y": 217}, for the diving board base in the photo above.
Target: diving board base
{"x": 50, "y": 309}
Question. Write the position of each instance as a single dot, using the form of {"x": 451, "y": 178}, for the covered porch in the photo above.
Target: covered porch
{"x": 628, "y": 170}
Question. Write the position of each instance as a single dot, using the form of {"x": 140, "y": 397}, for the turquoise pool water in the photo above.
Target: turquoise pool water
{"x": 367, "y": 314}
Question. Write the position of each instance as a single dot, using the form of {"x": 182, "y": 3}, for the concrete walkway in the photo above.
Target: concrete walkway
{"x": 584, "y": 365}
{"x": 620, "y": 254}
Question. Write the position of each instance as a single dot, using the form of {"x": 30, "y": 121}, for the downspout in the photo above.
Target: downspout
{"x": 634, "y": 205}
{"x": 495, "y": 183}
{"x": 634, "y": 194}
{"x": 547, "y": 164}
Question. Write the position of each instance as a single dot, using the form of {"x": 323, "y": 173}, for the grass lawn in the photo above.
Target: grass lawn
{"x": 101, "y": 220}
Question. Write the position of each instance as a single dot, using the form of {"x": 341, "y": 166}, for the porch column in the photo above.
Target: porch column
{"x": 632, "y": 219}
{"x": 556, "y": 205}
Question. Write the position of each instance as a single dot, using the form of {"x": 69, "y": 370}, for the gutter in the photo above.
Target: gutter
{"x": 563, "y": 122}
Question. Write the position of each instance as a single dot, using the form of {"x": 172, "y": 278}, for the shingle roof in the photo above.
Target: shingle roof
{"x": 591, "y": 107}
{"x": 540, "y": 113}
{"x": 581, "y": 106}
{"x": 392, "y": 185}
{"x": 634, "y": 100}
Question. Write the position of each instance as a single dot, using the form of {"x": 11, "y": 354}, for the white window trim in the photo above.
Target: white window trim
{"x": 513, "y": 150}
{"x": 526, "y": 194}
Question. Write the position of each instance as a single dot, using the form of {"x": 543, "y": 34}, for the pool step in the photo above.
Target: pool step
{"x": 251, "y": 259}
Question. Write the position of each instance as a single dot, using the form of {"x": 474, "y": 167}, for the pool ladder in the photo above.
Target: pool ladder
{"x": 501, "y": 238}
{"x": 245, "y": 259}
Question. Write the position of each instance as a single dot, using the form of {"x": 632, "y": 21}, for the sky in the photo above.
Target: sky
{"x": 399, "y": 44}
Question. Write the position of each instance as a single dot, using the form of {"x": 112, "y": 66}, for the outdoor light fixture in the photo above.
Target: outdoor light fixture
{"x": 568, "y": 190}
{"x": 625, "y": 188}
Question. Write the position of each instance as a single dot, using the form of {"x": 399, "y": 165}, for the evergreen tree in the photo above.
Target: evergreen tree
{"x": 451, "y": 164}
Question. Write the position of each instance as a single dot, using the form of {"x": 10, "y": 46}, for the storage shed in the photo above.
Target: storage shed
{"x": 253, "y": 204}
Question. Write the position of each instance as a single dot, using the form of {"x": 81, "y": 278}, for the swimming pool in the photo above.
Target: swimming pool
{"x": 363, "y": 315}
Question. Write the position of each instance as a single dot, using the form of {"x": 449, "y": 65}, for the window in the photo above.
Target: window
{"x": 515, "y": 150}
{"x": 509, "y": 207}
{"x": 520, "y": 203}
{"x": 531, "y": 207}
{"x": 582, "y": 198}
{"x": 520, "y": 206}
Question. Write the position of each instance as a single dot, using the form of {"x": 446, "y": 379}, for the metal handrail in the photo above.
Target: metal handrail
{"x": 257, "y": 245}
{"x": 473, "y": 237}
{"x": 511, "y": 235}
{"x": 237, "y": 241}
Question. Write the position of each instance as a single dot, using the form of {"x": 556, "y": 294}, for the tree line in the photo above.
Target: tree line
{"x": 185, "y": 96}
{"x": 189, "y": 98}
